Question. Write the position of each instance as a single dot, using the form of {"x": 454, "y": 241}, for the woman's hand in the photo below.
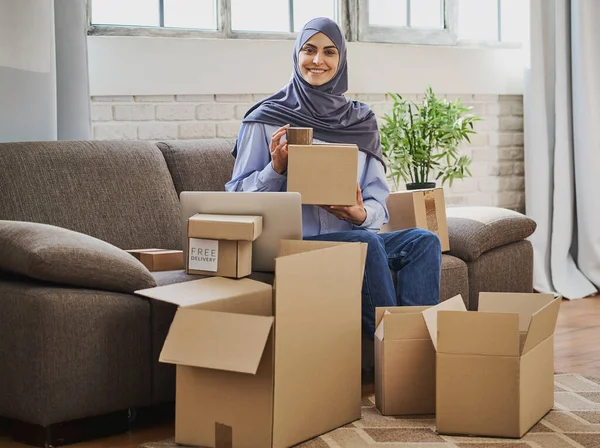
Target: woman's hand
{"x": 279, "y": 150}
{"x": 356, "y": 214}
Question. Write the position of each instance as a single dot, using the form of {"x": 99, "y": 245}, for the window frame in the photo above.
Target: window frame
{"x": 352, "y": 17}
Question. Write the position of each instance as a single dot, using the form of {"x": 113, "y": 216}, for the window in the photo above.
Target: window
{"x": 434, "y": 22}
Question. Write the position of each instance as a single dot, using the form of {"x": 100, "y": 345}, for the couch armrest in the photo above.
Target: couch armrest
{"x": 475, "y": 230}
{"x": 59, "y": 255}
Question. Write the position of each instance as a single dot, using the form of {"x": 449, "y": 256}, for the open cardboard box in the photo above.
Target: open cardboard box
{"x": 259, "y": 366}
{"x": 323, "y": 174}
{"x": 495, "y": 366}
{"x": 425, "y": 209}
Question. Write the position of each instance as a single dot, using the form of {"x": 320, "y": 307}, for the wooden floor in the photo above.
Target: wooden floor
{"x": 576, "y": 347}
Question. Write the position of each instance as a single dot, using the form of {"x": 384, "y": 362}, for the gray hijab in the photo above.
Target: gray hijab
{"x": 333, "y": 117}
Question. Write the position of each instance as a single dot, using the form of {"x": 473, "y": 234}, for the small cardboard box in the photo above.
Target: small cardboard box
{"x": 323, "y": 174}
{"x": 159, "y": 259}
{"x": 404, "y": 362}
{"x": 425, "y": 209}
{"x": 495, "y": 366}
{"x": 268, "y": 367}
{"x": 221, "y": 245}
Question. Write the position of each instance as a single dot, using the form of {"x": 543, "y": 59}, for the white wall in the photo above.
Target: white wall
{"x": 158, "y": 66}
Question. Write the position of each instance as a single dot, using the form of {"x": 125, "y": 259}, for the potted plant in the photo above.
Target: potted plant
{"x": 420, "y": 142}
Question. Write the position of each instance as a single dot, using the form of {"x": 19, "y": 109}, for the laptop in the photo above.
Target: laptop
{"x": 281, "y": 212}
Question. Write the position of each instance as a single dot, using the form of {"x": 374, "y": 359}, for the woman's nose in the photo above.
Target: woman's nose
{"x": 317, "y": 59}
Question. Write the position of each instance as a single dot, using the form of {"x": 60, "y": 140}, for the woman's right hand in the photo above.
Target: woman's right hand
{"x": 279, "y": 150}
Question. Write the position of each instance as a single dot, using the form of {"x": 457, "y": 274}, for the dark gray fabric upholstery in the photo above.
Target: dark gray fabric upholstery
{"x": 199, "y": 165}
{"x": 119, "y": 192}
{"x": 163, "y": 387}
{"x": 69, "y": 353}
{"x": 474, "y": 230}
{"x": 454, "y": 279}
{"x": 508, "y": 268}
{"x": 58, "y": 255}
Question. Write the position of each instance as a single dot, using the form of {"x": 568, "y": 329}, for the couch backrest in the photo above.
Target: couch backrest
{"x": 120, "y": 192}
{"x": 199, "y": 165}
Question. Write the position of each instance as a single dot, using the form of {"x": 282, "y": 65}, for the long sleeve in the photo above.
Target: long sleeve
{"x": 375, "y": 192}
{"x": 253, "y": 170}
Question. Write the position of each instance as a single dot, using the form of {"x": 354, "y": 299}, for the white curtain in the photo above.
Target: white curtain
{"x": 562, "y": 145}
{"x": 44, "y": 89}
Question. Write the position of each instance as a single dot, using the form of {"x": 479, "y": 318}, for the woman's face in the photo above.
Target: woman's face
{"x": 318, "y": 60}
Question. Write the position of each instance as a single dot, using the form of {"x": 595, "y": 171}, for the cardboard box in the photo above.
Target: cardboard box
{"x": 323, "y": 174}
{"x": 248, "y": 382}
{"x": 425, "y": 209}
{"x": 159, "y": 259}
{"x": 221, "y": 245}
{"x": 404, "y": 362}
{"x": 495, "y": 366}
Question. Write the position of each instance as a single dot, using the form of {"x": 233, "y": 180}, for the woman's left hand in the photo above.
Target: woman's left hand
{"x": 356, "y": 214}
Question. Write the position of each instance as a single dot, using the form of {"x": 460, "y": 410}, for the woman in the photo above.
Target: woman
{"x": 314, "y": 98}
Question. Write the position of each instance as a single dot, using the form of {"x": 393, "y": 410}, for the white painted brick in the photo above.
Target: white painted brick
{"x": 464, "y": 98}
{"x": 484, "y": 154}
{"x": 479, "y": 169}
{"x": 371, "y": 97}
{"x": 492, "y": 109}
{"x": 154, "y": 98}
{"x": 492, "y": 184}
{"x": 115, "y": 132}
{"x": 479, "y": 139}
{"x": 517, "y": 108}
{"x": 215, "y": 111}
{"x": 485, "y": 98}
{"x": 240, "y": 110}
{"x": 176, "y": 112}
{"x": 519, "y": 168}
{"x": 407, "y": 96}
{"x": 158, "y": 131}
{"x": 518, "y": 139}
{"x": 137, "y": 112}
{"x": 228, "y": 129}
{"x": 480, "y": 199}
{"x": 507, "y": 199}
{"x": 493, "y": 124}
{"x": 512, "y": 97}
{"x": 455, "y": 200}
{"x": 478, "y": 109}
{"x": 197, "y": 130}
{"x": 515, "y": 154}
{"x": 501, "y": 139}
{"x": 516, "y": 183}
{"x": 483, "y": 126}
{"x": 502, "y": 168}
{"x": 261, "y": 96}
{"x": 195, "y": 98}
{"x": 511, "y": 123}
{"x": 101, "y": 113}
{"x": 466, "y": 185}
{"x": 234, "y": 98}
{"x": 380, "y": 109}
{"x": 113, "y": 99}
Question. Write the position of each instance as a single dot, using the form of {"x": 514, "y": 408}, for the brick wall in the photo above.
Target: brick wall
{"x": 497, "y": 149}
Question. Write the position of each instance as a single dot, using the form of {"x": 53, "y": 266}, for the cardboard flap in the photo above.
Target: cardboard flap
{"x": 380, "y": 311}
{"x": 380, "y": 326}
{"x": 225, "y": 227}
{"x": 525, "y": 304}
{"x": 477, "y": 333}
{"x": 404, "y": 326}
{"x": 214, "y": 340}
{"x": 542, "y": 324}
{"x": 431, "y": 315}
{"x": 203, "y": 290}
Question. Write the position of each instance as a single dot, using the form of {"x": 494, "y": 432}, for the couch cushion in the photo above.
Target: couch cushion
{"x": 53, "y": 254}
{"x": 454, "y": 279}
{"x": 120, "y": 192}
{"x": 199, "y": 165}
{"x": 475, "y": 230}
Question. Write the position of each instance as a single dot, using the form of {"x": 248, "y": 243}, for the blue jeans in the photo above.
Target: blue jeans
{"x": 416, "y": 256}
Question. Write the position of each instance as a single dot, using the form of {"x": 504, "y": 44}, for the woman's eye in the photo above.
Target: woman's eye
{"x": 308, "y": 50}
{"x": 331, "y": 53}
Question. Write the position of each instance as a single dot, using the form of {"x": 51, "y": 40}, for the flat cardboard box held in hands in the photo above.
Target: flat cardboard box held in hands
{"x": 268, "y": 367}
{"x": 323, "y": 174}
{"x": 495, "y": 366}
{"x": 221, "y": 245}
{"x": 425, "y": 209}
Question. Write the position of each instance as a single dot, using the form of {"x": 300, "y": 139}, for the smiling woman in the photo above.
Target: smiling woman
{"x": 318, "y": 59}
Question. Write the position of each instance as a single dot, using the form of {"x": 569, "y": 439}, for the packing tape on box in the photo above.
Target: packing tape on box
{"x": 432, "y": 224}
{"x": 223, "y": 436}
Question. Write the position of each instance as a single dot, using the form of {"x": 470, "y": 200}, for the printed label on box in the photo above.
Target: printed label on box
{"x": 204, "y": 255}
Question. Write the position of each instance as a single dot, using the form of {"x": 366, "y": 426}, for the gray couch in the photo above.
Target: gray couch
{"x": 69, "y": 352}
